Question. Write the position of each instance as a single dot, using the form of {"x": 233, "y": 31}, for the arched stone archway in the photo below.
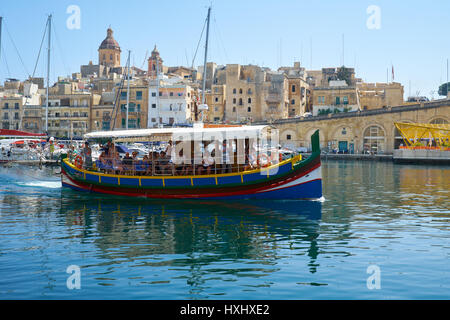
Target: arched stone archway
{"x": 342, "y": 139}
{"x": 374, "y": 139}
{"x": 398, "y": 138}
{"x": 289, "y": 138}
{"x": 322, "y": 138}
{"x": 438, "y": 120}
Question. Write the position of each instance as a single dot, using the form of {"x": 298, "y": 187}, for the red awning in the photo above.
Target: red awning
{"x": 16, "y": 133}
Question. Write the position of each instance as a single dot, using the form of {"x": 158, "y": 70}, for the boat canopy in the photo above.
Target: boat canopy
{"x": 194, "y": 134}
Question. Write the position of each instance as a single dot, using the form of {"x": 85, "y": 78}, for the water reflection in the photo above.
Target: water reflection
{"x": 138, "y": 248}
{"x": 196, "y": 236}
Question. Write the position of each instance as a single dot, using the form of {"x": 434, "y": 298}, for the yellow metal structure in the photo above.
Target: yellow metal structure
{"x": 425, "y": 135}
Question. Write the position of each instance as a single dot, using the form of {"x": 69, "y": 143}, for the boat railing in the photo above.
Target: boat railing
{"x": 166, "y": 167}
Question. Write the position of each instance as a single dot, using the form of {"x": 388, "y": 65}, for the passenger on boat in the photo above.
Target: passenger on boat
{"x": 87, "y": 155}
{"x": 71, "y": 154}
{"x": 127, "y": 163}
{"x": 116, "y": 164}
{"x": 156, "y": 168}
{"x": 164, "y": 165}
{"x": 135, "y": 162}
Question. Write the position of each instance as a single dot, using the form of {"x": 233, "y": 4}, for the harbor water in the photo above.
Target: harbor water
{"x": 382, "y": 231}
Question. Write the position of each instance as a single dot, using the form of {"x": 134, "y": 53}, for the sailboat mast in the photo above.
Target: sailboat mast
{"x": 206, "y": 57}
{"x": 128, "y": 87}
{"x": 1, "y": 20}
{"x": 48, "y": 70}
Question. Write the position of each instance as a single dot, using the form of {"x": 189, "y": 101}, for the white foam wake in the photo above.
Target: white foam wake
{"x": 43, "y": 184}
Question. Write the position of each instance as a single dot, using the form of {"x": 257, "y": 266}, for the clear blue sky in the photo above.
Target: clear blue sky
{"x": 413, "y": 35}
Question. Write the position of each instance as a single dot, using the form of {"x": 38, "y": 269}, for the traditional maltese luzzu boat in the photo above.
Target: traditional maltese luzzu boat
{"x": 207, "y": 162}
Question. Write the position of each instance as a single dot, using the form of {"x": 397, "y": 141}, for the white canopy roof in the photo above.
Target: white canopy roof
{"x": 165, "y": 134}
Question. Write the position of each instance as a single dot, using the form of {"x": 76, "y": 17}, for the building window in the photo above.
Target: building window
{"x": 345, "y": 99}
{"x": 234, "y": 109}
{"x": 249, "y": 109}
{"x": 171, "y": 94}
{"x": 138, "y": 95}
{"x": 293, "y": 101}
{"x": 293, "y": 88}
{"x": 240, "y": 90}
{"x": 249, "y": 100}
{"x": 123, "y": 123}
{"x": 97, "y": 113}
{"x": 160, "y": 93}
{"x": 234, "y": 91}
{"x": 240, "y": 101}
{"x": 338, "y": 101}
{"x": 6, "y": 106}
{"x": 153, "y": 94}
{"x": 106, "y": 125}
{"x": 110, "y": 57}
{"x": 16, "y": 106}
{"x": 288, "y": 137}
{"x": 321, "y": 99}
{"x": 5, "y": 116}
{"x": 16, "y": 116}
{"x": 153, "y": 105}
{"x": 249, "y": 91}
{"x": 217, "y": 99}
{"x": 153, "y": 120}
{"x": 123, "y": 95}
{"x": 234, "y": 100}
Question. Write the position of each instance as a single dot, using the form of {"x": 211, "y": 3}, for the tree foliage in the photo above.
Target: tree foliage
{"x": 444, "y": 88}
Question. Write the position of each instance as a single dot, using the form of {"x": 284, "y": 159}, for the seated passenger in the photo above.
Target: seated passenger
{"x": 127, "y": 163}
{"x": 116, "y": 163}
{"x": 164, "y": 164}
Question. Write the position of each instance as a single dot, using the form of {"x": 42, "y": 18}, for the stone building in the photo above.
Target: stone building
{"x": 109, "y": 54}
{"x": 336, "y": 97}
{"x": 380, "y": 95}
{"x": 137, "y": 107}
{"x": 68, "y": 114}
{"x": 298, "y": 89}
{"x": 109, "y": 51}
{"x": 370, "y": 131}
{"x": 250, "y": 93}
{"x": 155, "y": 64}
{"x": 215, "y": 99}
{"x": 101, "y": 113}
{"x": 170, "y": 103}
{"x": 12, "y": 104}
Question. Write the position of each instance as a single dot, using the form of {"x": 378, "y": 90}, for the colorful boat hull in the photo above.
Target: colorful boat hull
{"x": 291, "y": 179}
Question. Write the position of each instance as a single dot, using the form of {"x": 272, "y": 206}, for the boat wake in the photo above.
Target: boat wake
{"x": 321, "y": 199}
{"x": 42, "y": 184}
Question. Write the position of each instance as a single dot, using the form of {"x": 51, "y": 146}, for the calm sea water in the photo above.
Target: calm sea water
{"x": 394, "y": 218}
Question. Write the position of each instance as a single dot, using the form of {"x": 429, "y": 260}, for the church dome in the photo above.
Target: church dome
{"x": 109, "y": 42}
